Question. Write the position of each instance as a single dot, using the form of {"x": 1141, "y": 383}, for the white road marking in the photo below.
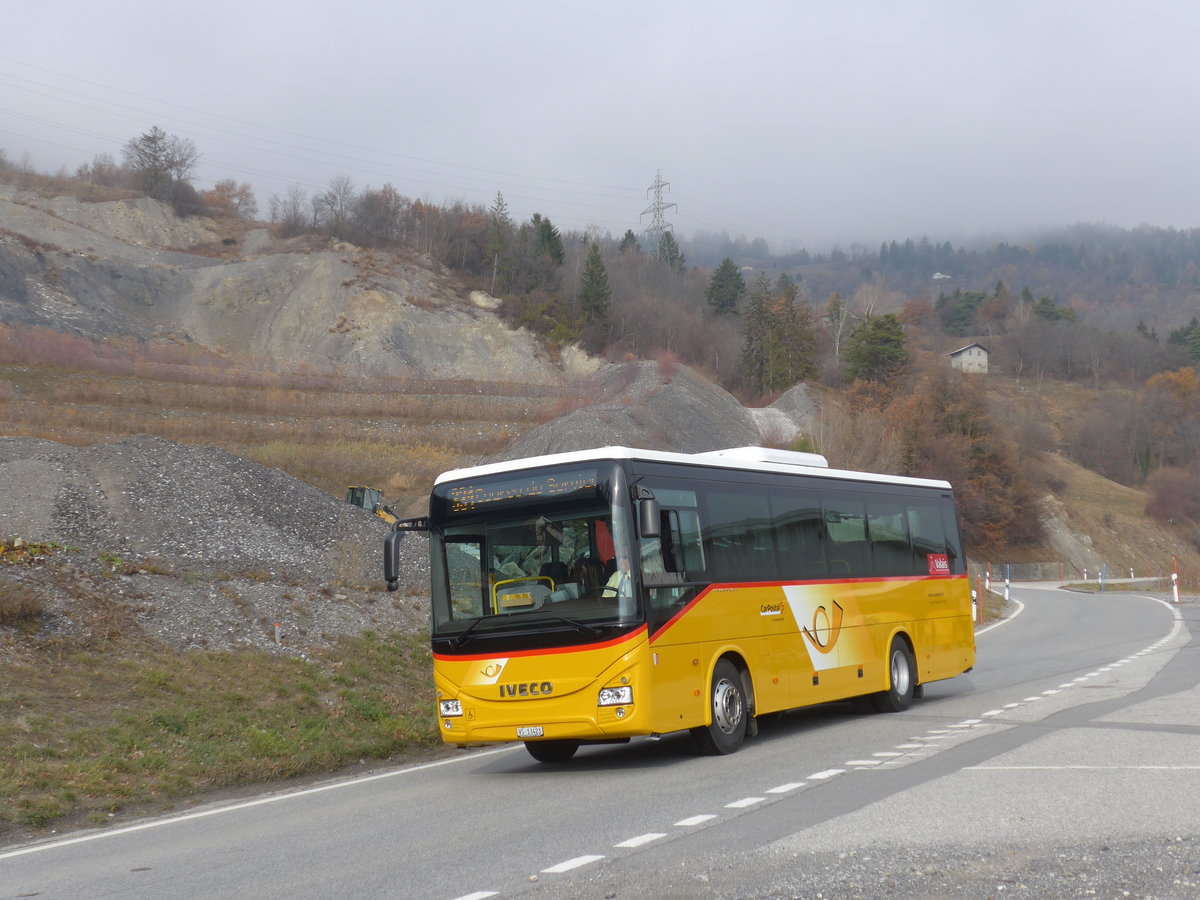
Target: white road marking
{"x": 478, "y": 895}
{"x": 784, "y": 788}
{"x": 248, "y": 804}
{"x": 642, "y": 839}
{"x": 1020, "y": 609}
{"x": 568, "y": 865}
{"x": 828, "y": 773}
{"x": 694, "y": 820}
{"x": 1080, "y": 768}
{"x": 745, "y": 802}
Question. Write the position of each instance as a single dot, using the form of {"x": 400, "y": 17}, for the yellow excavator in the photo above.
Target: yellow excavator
{"x": 370, "y": 498}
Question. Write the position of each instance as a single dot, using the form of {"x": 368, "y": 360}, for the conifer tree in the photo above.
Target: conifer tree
{"x": 756, "y": 344}
{"x": 668, "y": 251}
{"x": 877, "y": 349}
{"x": 725, "y": 290}
{"x": 629, "y": 243}
{"x": 548, "y": 238}
{"x": 500, "y": 234}
{"x": 791, "y": 342}
{"x": 595, "y": 293}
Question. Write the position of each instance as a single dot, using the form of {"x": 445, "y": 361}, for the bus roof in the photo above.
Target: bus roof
{"x": 752, "y": 459}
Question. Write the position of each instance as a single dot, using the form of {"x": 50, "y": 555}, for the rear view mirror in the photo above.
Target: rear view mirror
{"x": 649, "y": 514}
{"x": 391, "y": 559}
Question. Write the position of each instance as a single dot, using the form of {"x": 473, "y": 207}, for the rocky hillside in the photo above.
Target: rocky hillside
{"x": 132, "y": 268}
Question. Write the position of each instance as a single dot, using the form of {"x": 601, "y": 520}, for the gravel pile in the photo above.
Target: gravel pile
{"x": 201, "y": 547}
{"x": 637, "y": 404}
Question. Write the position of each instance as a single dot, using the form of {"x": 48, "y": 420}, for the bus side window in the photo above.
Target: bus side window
{"x": 682, "y": 549}
{"x": 738, "y": 535}
{"x": 798, "y": 534}
{"x": 846, "y": 525}
{"x": 953, "y": 544}
{"x": 928, "y": 535}
{"x": 887, "y": 528}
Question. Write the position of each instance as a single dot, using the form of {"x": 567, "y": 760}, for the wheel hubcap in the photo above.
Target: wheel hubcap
{"x": 727, "y": 706}
{"x": 901, "y": 677}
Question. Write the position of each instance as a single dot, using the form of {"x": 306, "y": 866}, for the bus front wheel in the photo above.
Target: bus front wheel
{"x": 729, "y": 713}
{"x": 552, "y": 751}
{"x": 902, "y": 679}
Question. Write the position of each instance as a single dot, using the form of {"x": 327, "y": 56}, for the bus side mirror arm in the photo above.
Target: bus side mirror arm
{"x": 391, "y": 549}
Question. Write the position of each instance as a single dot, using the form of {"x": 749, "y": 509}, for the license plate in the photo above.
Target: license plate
{"x": 528, "y": 731}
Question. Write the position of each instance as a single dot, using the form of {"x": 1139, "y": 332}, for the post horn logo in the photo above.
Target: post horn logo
{"x": 826, "y": 627}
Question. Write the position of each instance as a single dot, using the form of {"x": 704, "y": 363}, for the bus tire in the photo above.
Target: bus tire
{"x": 902, "y": 679}
{"x": 730, "y": 713}
{"x": 552, "y": 751}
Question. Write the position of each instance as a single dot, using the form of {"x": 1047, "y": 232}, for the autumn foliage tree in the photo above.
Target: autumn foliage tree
{"x": 228, "y": 198}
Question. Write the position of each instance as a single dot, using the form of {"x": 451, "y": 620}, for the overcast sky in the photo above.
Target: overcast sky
{"x": 806, "y": 123}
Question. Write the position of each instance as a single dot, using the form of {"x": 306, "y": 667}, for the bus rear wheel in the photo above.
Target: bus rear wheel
{"x": 902, "y": 679}
{"x": 552, "y": 751}
{"x": 729, "y": 713}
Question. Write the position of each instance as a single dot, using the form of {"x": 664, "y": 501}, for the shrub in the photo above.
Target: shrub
{"x": 19, "y": 605}
{"x": 1174, "y": 495}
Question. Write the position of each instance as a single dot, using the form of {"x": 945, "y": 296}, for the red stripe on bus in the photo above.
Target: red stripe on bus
{"x": 548, "y": 651}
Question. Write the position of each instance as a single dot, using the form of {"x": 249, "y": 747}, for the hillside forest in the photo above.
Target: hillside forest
{"x": 1111, "y": 311}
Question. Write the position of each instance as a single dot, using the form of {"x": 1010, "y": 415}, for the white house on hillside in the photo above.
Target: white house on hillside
{"x": 971, "y": 358}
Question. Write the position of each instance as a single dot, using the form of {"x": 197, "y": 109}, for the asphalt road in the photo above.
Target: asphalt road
{"x": 1066, "y": 765}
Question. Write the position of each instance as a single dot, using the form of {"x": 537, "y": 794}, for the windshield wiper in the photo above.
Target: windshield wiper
{"x": 466, "y": 637}
{"x": 579, "y": 626}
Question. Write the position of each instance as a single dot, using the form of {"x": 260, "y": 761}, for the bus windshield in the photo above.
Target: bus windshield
{"x": 540, "y": 550}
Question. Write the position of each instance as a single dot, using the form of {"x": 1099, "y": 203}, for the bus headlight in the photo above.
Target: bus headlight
{"x": 450, "y": 707}
{"x": 615, "y": 696}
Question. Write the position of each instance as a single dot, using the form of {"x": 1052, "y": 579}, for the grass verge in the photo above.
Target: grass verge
{"x": 88, "y": 734}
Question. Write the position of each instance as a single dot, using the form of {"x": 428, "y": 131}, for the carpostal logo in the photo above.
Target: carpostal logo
{"x": 771, "y": 609}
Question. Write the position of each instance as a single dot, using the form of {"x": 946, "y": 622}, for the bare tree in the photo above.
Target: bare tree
{"x": 289, "y": 211}
{"x": 103, "y": 170}
{"x": 337, "y": 204}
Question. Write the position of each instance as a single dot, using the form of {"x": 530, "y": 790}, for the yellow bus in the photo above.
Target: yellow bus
{"x": 595, "y": 596}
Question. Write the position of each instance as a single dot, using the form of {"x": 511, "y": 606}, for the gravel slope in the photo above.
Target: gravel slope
{"x": 199, "y": 547}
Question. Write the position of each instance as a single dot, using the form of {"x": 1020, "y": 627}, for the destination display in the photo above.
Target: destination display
{"x": 469, "y": 496}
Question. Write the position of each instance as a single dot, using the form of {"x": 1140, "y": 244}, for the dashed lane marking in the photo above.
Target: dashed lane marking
{"x": 745, "y": 802}
{"x": 570, "y": 864}
{"x": 785, "y": 788}
{"x": 828, "y": 773}
{"x": 642, "y": 839}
